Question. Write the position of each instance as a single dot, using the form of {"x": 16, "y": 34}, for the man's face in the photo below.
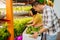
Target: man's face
{"x": 38, "y": 7}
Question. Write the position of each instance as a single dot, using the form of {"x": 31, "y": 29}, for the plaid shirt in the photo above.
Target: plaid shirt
{"x": 50, "y": 20}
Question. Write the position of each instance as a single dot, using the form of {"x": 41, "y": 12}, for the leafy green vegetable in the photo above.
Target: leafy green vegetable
{"x": 32, "y": 29}
{"x": 4, "y": 34}
{"x": 19, "y": 27}
{"x": 21, "y": 8}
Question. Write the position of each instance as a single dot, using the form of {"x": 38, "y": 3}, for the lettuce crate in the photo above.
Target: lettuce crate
{"x": 29, "y": 36}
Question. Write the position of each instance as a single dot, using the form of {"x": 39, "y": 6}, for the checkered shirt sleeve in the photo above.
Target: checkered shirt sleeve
{"x": 50, "y": 20}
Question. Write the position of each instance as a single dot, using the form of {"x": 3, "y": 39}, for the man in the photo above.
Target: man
{"x": 50, "y": 21}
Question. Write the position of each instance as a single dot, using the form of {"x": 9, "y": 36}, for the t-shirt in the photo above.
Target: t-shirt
{"x": 37, "y": 19}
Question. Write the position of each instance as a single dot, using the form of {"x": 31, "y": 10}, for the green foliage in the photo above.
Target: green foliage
{"x": 21, "y": 8}
{"x": 19, "y": 25}
{"x": 4, "y": 34}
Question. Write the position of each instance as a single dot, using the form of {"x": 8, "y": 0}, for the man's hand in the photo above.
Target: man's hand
{"x": 35, "y": 35}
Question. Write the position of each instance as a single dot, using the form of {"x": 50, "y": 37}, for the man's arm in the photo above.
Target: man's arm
{"x": 39, "y": 25}
{"x": 47, "y": 20}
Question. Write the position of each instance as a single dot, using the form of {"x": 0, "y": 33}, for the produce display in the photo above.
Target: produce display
{"x": 29, "y": 31}
{"x": 32, "y": 29}
{"x": 19, "y": 25}
{"x": 4, "y": 34}
{"x": 21, "y": 8}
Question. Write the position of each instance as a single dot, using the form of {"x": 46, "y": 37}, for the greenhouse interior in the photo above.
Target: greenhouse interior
{"x": 19, "y": 21}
